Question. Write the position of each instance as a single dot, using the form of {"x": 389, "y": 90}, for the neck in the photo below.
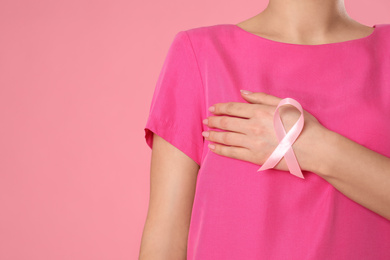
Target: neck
{"x": 304, "y": 20}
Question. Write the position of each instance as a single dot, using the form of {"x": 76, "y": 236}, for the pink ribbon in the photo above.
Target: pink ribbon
{"x": 286, "y": 141}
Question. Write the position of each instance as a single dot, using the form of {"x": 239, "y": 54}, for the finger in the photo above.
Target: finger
{"x": 262, "y": 98}
{"x": 228, "y": 138}
{"x": 239, "y": 109}
{"x": 234, "y": 124}
{"x": 234, "y": 152}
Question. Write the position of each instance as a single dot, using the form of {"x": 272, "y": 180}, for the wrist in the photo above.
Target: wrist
{"x": 318, "y": 149}
{"x": 327, "y": 152}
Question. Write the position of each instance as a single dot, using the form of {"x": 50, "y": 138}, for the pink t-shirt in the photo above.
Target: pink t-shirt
{"x": 239, "y": 213}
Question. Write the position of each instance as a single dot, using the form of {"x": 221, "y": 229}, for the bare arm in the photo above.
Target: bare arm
{"x": 173, "y": 178}
{"x": 358, "y": 172}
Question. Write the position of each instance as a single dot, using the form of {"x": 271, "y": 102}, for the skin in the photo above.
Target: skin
{"x": 306, "y": 22}
{"x": 340, "y": 161}
{"x": 173, "y": 174}
{"x": 172, "y": 188}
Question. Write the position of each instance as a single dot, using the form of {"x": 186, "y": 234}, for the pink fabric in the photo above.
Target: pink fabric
{"x": 240, "y": 213}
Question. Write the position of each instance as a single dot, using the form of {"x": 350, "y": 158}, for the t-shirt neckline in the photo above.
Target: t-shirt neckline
{"x": 375, "y": 26}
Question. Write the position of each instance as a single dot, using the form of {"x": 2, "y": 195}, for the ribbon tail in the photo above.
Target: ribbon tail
{"x": 292, "y": 164}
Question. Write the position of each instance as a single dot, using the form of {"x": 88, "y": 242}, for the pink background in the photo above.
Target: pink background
{"x": 76, "y": 82}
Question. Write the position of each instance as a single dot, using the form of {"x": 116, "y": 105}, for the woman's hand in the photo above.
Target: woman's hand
{"x": 249, "y": 131}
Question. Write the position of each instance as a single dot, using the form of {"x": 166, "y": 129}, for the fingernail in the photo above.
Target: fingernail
{"x": 246, "y": 92}
{"x": 205, "y": 121}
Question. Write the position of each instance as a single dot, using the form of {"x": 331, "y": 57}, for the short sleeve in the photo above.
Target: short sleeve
{"x": 177, "y": 107}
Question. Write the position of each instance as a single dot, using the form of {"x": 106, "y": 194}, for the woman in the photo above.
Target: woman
{"x": 213, "y": 203}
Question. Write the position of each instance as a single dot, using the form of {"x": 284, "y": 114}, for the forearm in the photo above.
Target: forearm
{"x": 356, "y": 171}
{"x": 160, "y": 241}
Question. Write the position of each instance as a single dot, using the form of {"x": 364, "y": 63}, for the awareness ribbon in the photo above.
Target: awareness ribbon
{"x": 286, "y": 141}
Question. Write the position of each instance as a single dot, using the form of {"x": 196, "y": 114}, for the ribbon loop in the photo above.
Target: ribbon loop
{"x": 286, "y": 141}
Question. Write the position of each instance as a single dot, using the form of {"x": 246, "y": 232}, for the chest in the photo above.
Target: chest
{"x": 346, "y": 92}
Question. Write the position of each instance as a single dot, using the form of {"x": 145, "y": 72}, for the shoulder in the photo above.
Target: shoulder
{"x": 383, "y": 26}
{"x": 205, "y": 41}
{"x": 203, "y": 35}
{"x": 383, "y": 30}
{"x": 383, "y": 36}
